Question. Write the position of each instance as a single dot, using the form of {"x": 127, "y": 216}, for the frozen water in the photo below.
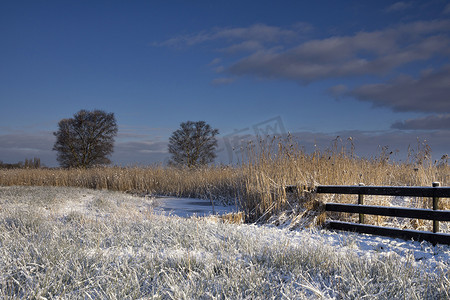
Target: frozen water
{"x": 188, "y": 207}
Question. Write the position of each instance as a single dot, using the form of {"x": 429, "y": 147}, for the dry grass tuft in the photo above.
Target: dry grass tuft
{"x": 233, "y": 218}
{"x": 258, "y": 184}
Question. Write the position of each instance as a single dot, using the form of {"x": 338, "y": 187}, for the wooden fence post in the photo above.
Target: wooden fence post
{"x": 361, "y": 202}
{"x": 436, "y": 207}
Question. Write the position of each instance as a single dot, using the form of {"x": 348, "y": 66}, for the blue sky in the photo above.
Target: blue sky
{"x": 376, "y": 71}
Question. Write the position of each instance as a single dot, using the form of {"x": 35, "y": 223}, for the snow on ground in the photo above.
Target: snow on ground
{"x": 370, "y": 246}
{"x": 364, "y": 245}
{"x": 96, "y": 203}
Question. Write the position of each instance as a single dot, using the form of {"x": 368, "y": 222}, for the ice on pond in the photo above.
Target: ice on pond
{"x": 188, "y": 207}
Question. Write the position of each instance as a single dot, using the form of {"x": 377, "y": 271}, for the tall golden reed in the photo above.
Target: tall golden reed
{"x": 258, "y": 184}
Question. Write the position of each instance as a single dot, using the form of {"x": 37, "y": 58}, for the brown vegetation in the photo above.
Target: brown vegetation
{"x": 258, "y": 184}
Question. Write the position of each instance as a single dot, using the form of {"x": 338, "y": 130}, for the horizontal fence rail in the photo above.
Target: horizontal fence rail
{"x": 388, "y": 211}
{"x": 406, "y": 234}
{"x": 435, "y": 214}
{"x": 416, "y": 191}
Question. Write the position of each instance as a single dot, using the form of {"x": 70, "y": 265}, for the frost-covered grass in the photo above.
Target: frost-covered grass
{"x": 76, "y": 243}
{"x": 258, "y": 183}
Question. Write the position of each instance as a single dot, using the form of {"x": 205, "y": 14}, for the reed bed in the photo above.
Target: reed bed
{"x": 258, "y": 184}
{"x": 273, "y": 166}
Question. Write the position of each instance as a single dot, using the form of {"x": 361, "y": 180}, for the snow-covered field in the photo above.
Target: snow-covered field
{"x": 78, "y": 243}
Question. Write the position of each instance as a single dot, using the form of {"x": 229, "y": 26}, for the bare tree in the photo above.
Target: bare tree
{"x": 85, "y": 140}
{"x": 193, "y": 144}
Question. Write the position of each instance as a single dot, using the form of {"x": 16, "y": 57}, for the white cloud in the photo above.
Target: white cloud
{"x": 215, "y": 61}
{"x": 271, "y": 52}
{"x": 184, "y": 40}
{"x": 245, "y": 46}
{"x": 223, "y": 80}
{"x": 398, "y": 6}
{"x": 256, "y": 34}
{"x": 18, "y": 146}
{"x": 434, "y": 122}
{"x": 376, "y": 52}
{"x": 429, "y": 93}
{"x": 338, "y": 91}
{"x": 303, "y": 27}
{"x": 367, "y": 143}
{"x": 446, "y": 9}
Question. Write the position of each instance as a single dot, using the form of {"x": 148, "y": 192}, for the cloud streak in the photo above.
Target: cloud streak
{"x": 429, "y": 93}
{"x": 275, "y": 53}
{"x": 367, "y": 143}
{"x": 253, "y": 36}
{"x": 223, "y": 81}
{"x": 129, "y": 148}
{"x": 398, "y": 6}
{"x": 17, "y": 146}
{"x": 434, "y": 122}
{"x": 447, "y": 9}
{"x": 376, "y": 52}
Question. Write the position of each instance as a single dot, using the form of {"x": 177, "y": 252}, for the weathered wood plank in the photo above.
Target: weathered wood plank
{"x": 442, "y": 192}
{"x": 436, "y": 207}
{"x": 426, "y": 214}
{"x": 435, "y": 238}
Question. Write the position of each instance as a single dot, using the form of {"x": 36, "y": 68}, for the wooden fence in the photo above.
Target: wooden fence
{"x": 435, "y": 214}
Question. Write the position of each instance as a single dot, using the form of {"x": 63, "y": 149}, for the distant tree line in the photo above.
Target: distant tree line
{"x": 34, "y": 163}
{"x": 87, "y": 140}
